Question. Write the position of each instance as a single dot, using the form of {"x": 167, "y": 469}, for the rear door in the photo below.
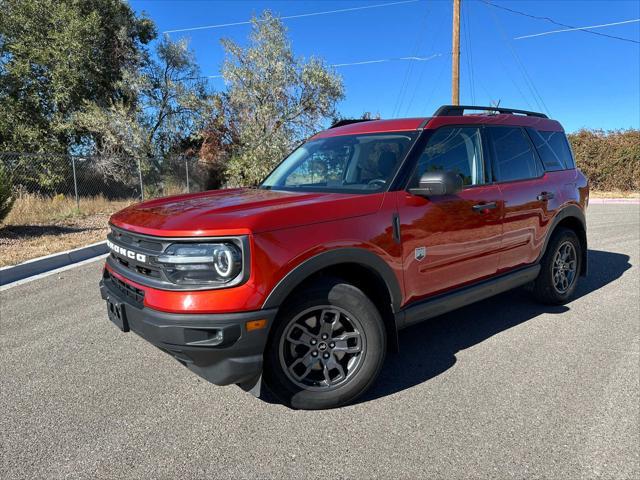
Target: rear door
{"x": 529, "y": 196}
{"x": 449, "y": 241}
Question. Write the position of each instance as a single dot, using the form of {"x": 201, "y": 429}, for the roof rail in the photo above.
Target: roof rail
{"x": 349, "y": 121}
{"x": 455, "y": 110}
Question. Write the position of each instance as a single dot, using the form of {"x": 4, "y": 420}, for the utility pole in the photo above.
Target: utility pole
{"x": 455, "y": 51}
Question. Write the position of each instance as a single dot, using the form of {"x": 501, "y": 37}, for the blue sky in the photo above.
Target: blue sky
{"x": 583, "y": 80}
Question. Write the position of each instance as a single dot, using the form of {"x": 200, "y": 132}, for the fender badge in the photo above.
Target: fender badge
{"x": 421, "y": 252}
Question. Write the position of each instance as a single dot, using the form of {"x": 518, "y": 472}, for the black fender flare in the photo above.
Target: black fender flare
{"x": 330, "y": 258}
{"x": 570, "y": 211}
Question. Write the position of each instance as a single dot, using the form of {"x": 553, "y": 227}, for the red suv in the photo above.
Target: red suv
{"x": 369, "y": 227}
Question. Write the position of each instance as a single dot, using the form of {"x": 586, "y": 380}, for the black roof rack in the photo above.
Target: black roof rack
{"x": 349, "y": 121}
{"x": 455, "y": 110}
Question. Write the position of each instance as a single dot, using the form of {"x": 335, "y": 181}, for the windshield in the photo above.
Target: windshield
{"x": 350, "y": 163}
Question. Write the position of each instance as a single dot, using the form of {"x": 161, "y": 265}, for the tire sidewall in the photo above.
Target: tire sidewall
{"x": 351, "y": 299}
{"x": 545, "y": 287}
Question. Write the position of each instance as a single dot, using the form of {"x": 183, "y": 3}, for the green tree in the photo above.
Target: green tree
{"x": 57, "y": 55}
{"x": 6, "y": 193}
{"x": 175, "y": 96}
{"x": 273, "y": 100}
{"x": 173, "y": 107}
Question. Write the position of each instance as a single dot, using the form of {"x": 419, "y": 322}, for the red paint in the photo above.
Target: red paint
{"x": 462, "y": 245}
{"x": 374, "y": 126}
{"x": 286, "y": 228}
{"x": 240, "y": 211}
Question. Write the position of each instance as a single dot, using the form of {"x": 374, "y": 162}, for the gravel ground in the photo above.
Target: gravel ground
{"x": 504, "y": 388}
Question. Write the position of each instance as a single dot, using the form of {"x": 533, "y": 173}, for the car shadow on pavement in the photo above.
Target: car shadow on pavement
{"x": 430, "y": 348}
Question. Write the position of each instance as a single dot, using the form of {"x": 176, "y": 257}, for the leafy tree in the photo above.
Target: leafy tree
{"x": 56, "y": 55}
{"x": 274, "y": 99}
{"x": 175, "y": 96}
{"x": 174, "y": 104}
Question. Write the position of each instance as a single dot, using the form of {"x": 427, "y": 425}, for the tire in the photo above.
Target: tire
{"x": 309, "y": 371}
{"x": 558, "y": 278}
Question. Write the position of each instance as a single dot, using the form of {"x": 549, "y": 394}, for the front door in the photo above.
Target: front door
{"x": 450, "y": 241}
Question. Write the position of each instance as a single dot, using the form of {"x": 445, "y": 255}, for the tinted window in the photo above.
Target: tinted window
{"x": 553, "y": 149}
{"x": 454, "y": 150}
{"x": 513, "y": 156}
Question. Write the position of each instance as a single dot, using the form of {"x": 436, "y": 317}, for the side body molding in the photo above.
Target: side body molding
{"x": 360, "y": 256}
{"x": 574, "y": 212}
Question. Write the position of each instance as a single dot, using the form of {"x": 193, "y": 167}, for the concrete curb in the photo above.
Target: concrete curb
{"x": 620, "y": 201}
{"x": 14, "y": 273}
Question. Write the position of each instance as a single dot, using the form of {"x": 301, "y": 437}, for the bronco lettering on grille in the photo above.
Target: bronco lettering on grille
{"x": 139, "y": 257}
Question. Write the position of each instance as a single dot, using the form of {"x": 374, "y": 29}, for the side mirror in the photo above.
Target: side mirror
{"x": 438, "y": 183}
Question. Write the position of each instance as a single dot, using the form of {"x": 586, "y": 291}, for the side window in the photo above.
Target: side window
{"x": 453, "y": 149}
{"x": 513, "y": 157}
{"x": 553, "y": 149}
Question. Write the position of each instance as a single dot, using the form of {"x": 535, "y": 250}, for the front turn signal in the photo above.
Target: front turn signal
{"x": 256, "y": 325}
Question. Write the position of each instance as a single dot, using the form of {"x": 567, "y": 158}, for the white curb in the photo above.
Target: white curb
{"x": 610, "y": 201}
{"x": 11, "y": 275}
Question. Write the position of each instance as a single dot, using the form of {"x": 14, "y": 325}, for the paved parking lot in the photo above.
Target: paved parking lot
{"x": 504, "y": 388}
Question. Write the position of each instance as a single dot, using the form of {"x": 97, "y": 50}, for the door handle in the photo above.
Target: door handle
{"x": 482, "y": 207}
{"x": 545, "y": 196}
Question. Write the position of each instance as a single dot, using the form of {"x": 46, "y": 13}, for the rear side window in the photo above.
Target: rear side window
{"x": 513, "y": 156}
{"x": 553, "y": 149}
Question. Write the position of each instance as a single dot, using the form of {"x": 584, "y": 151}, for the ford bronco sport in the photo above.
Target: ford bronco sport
{"x": 369, "y": 227}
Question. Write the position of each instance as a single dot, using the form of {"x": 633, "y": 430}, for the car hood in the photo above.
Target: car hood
{"x": 241, "y": 211}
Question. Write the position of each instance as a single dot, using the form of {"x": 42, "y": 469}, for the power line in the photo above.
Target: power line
{"x": 551, "y": 20}
{"x": 417, "y": 86}
{"x": 312, "y": 14}
{"x": 409, "y": 70}
{"x": 411, "y": 58}
{"x": 467, "y": 51}
{"x": 436, "y": 84}
{"x": 528, "y": 81}
{"x": 579, "y": 28}
{"x": 436, "y": 32}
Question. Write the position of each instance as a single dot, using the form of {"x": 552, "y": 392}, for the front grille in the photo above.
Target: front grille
{"x": 150, "y": 247}
{"x": 146, "y": 270}
{"x": 128, "y": 291}
{"x": 135, "y": 241}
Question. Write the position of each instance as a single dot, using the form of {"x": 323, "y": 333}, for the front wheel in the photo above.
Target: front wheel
{"x": 560, "y": 268}
{"x": 327, "y": 347}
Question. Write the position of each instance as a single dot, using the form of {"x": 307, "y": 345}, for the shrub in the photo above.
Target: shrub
{"x": 610, "y": 159}
{"x": 6, "y": 193}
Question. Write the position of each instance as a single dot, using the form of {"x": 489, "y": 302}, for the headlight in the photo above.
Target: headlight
{"x": 202, "y": 263}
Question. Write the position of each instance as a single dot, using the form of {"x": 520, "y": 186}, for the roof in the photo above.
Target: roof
{"x": 412, "y": 124}
{"x": 374, "y": 126}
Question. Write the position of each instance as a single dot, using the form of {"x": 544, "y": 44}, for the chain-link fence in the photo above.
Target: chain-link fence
{"x": 113, "y": 178}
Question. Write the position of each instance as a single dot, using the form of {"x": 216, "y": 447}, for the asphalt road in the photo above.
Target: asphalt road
{"x": 501, "y": 389}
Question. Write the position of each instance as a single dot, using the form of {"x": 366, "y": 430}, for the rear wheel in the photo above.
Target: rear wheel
{"x": 327, "y": 347}
{"x": 560, "y": 268}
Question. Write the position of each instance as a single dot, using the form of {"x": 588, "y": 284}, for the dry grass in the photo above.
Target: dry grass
{"x": 30, "y": 209}
{"x": 38, "y": 225}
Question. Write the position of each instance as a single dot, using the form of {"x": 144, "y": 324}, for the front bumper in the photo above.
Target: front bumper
{"x": 217, "y": 347}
